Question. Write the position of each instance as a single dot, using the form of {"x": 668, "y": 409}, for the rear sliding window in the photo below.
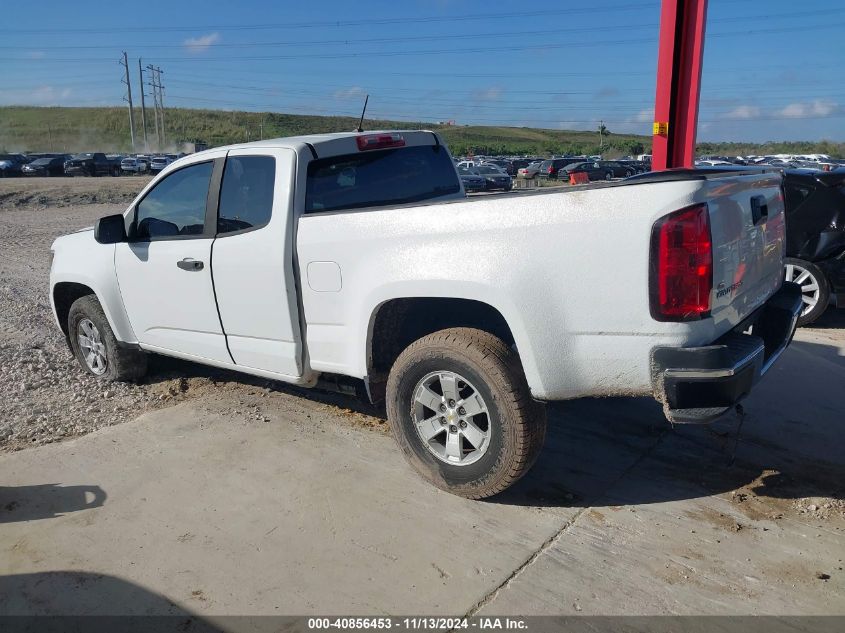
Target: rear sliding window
{"x": 380, "y": 178}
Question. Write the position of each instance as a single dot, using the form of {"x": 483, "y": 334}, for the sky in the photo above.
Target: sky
{"x": 772, "y": 68}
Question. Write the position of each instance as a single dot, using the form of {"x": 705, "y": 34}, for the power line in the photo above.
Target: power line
{"x": 425, "y": 38}
{"x": 445, "y": 51}
{"x": 343, "y": 23}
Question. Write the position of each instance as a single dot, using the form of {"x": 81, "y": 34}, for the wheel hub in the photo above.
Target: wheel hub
{"x": 92, "y": 347}
{"x": 810, "y": 291}
{"x": 451, "y": 418}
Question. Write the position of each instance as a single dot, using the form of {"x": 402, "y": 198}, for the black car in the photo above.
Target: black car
{"x": 593, "y": 169}
{"x": 12, "y": 164}
{"x": 48, "y": 166}
{"x": 495, "y": 177}
{"x": 92, "y": 164}
{"x": 815, "y": 237}
{"x": 638, "y": 166}
{"x": 519, "y": 163}
{"x": 505, "y": 165}
{"x": 472, "y": 180}
{"x": 618, "y": 168}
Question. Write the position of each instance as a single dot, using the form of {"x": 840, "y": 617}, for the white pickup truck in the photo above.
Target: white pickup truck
{"x": 357, "y": 257}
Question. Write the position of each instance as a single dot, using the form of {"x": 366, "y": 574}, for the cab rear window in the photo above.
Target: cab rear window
{"x": 380, "y": 178}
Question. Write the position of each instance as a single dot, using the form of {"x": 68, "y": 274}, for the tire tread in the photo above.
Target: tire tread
{"x": 502, "y": 366}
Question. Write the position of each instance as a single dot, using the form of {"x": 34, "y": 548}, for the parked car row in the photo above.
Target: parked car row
{"x": 485, "y": 177}
{"x": 82, "y": 164}
{"x": 818, "y": 162}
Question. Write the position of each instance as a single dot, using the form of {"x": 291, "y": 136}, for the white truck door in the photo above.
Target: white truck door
{"x": 164, "y": 271}
{"x": 252, "y": 261}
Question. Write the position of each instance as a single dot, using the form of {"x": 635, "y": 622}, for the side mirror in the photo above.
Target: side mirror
{"x": 110, "y": 229}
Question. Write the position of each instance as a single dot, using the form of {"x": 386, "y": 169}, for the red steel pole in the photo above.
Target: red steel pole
{"x": 679, "y": 63}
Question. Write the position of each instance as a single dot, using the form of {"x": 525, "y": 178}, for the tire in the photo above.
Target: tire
{"x": 487, "y": 367}
{"x": 814, "y": 285}
{"x": 629, "y": 173}
{"x": 608, "y": 176}
{"x": 118, "y": 363}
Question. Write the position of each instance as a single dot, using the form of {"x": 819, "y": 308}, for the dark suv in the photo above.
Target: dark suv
{"x": 815, "y": 237}
{"x": 550, "y": 168}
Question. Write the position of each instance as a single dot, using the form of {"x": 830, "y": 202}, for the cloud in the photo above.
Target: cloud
{"x": 801, "y": 110}
{"x": 743, "y": 112}
{"x": 202, "y": 43}
{"x": 493, "y": 93}
{"x": 45, "y": 95}
{"x": 355, "y": 92}
{"x": 35, "y": 55}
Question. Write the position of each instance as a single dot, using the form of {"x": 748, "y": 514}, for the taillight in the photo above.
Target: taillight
{"x": 379, "y": 141}
{"x": 551, "y": 169}
{"x": 681, "y": 265}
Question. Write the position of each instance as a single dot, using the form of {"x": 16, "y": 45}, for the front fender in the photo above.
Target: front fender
{"x": 79, "y": 259}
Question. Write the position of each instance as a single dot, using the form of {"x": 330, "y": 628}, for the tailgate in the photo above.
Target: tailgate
{"x": 748, "y": 234}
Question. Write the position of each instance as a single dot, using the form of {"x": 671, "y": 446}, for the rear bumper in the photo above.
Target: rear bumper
{"x": 699, "y": 384}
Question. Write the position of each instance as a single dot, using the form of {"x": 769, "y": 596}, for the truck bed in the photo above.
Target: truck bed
{"x": 568, "y": 269}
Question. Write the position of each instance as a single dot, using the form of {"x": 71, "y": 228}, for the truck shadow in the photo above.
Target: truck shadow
{"x": 46, "y": 501}
{"x": 616, "y": 451}
{"x": 832, "y": 318}
{"x": 90, "y": 601}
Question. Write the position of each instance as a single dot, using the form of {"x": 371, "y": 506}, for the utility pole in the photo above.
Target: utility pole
{"x": 161, "y": 105}
{"x": 601, "y": 133}
{"x": 143, "y": 107}
{"x": 154, "y": 85}
{"x": 128, "y": 98}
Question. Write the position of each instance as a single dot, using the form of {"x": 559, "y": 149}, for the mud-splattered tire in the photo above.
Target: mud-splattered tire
{"x": 475, "y": 363}
{"x": 95, "y": 346}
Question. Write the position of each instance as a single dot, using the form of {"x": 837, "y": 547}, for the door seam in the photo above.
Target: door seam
{"x": 217, "y": 303}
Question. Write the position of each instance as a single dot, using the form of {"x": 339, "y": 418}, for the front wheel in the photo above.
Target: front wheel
{"x": 461, "y": 411}
{"x": 608, "y": 176}
{"x": 95, "y": 345}
{"x": 815, "y": 290}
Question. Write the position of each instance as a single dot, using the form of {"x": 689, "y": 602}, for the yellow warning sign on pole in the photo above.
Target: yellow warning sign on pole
{"x": 661, "y": 128}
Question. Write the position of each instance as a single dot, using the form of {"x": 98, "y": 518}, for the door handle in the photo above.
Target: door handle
{"x": 759, "y": 209}
{"x": 190, "y": 264}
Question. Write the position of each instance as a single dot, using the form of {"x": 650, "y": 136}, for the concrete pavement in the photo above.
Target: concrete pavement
{"x": 207, "y": 508}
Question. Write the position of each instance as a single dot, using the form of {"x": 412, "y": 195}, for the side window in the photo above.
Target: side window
{"x": 175, "y": 207}
{"x": 795, "y": 195}
{"x": 246, "y": 195}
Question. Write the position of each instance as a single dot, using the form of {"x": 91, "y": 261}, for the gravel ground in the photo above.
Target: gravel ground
{"x": 45, "y": 396}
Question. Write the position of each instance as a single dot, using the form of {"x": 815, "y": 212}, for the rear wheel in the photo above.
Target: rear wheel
{"x": 608, "y": 176}
{"x": 461, "y": 411}
{"x": 814, "y": 288}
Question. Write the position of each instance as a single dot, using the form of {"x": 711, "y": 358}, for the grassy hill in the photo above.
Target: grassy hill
{"x": 56, "y": 129}
{"x": 29, "y": 128}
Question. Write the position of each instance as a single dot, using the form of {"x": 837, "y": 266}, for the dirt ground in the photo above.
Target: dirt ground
{"x": 34, "y": 193}
{"x": 622, "y": 514}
